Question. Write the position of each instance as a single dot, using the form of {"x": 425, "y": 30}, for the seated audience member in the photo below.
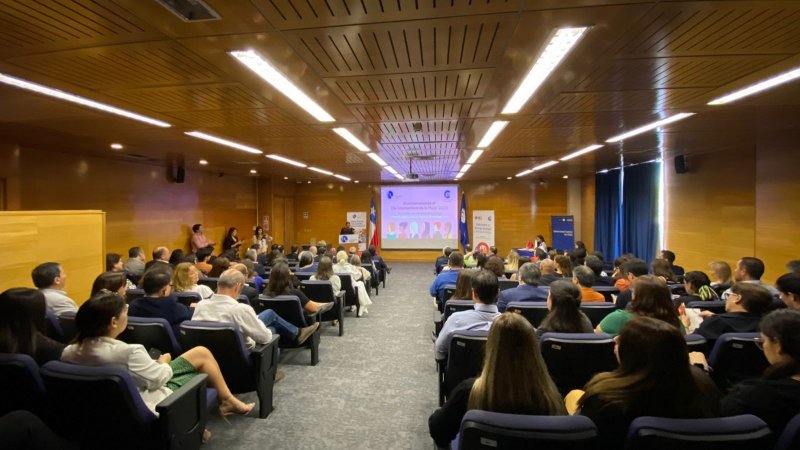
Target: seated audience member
{"x": 203, "y": 255}
{"x": 343, "y": 266}
{"x": 256, "y": 329}
{"x": 355, "y": 261}
{"x": 583, "y": 277}
{"x": 103, "y": 318}
{"x": 539, "y": 255}
{"x": 527, "y": 291}
{"x": 579, "y": 254}
{"x": 631, "y": 270}
{"x": 793, "y": 266}
{"x": 565, "y": 315}
{"x": 495, "y": 265}
{"x": 547, "y": 268}
{"x": 176, "y": 257}
{"x": 650, "y": 298}
{"x": 447, "y": 277}
{"x": 185, "y": 279}
{"x": 253, "y": 276}
{"x": 199, "y": 239}
{"x": 232, "y": 241}
{"x": 219, "y": 265}
{"x": 134, "y": 265}
{"x": 252, "y": 255}
{"x": 720, "y": 274}
{"x": 273, "y": 256}
{"x": 22, "y": 326}
{"x": 775, "y": 397}
{"x": 644, "y": 385}
{"x": 789, "y": 288}
{"x": 230, "y": 254}
{"x": 160, "y": 259}
{"x": 596, "y": 265}
{"x": 325, "y": 273}
{"x": 380, "y": 264}
{"x": 750, "y": 270}
{"x": 50, "y": 278}
{"x": 280, "y": 283}
{"x": 662, "y": 270}
{"x": 115, "y": 282}
{"x": 470, "y": 258}
{"x": 563, "y": 266}
{"x": 190, "y": 258}
{"x": 669, "y": 257}
{"x": 464, "y": 285}
{"x": 512, "y": 262}
{"x": 114, "y": 264}
{"x": 484, "y": 295}
{"x": 248, "y": 291}
{"x": 698, "y": 288}
{"x": 618, "y": 273}
{"x": 441, "y": 262}
{"x": 480, "y": 260}
{"x": 366, "y": 258}
{"x": 514, "y": 380}
{"x": 321, "y": 250}
{"x": 306, "y": 263}
{"x": 292, "y": 256}
{"x": 158, "y": 303}
{"x": 493, "y": 252}
{"x": 745, "y": 305}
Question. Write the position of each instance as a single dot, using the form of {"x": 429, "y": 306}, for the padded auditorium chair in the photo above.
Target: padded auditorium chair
{"x": 574, "y": 358}
{"x": 696, "y": 343}
{"x": 790, "y": 438}
{"x": 21, "y": 387}
{"x": 481, "y": 430}
{"x": 609, "y": 292}
{"x": 464, "y": 360}
{"x": 53, "y": 326}
{"x": 450, "y": 306}
{"x": 303, "y": 276}
{"x": 67, "y": 322}
{"x": 715, "y": 306}
{"x": 735, "y": 357}
{"x": 507, "y": 284}
{"x": 188, "y": 297}
{"x": 322, "y": 291}
{"x": 350, "y": 292}
{"x": 210, "y": 282}
{"x": 100, "y": 408}
{"x": 289, "y": 308}
{"x": 449, "y": 291}
{"x": 133, "y": 294}
{"x": 244, "y": 370}
{"x": 374, "y": 279}
{"x": 151, "y": 332}
{"x": 745, "y": 432}
{"x": 596, "y": 312}
{"x": 535, "y": 312}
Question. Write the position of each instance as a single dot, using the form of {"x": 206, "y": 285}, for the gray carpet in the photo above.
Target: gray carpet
{"x": 373, "y": 388}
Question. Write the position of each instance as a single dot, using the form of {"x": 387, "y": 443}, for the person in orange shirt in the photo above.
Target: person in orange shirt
{"x": 583, "y": 277}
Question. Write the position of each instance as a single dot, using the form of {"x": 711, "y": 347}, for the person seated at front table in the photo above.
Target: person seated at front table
{"x": 51, "y": 279}
{"x": 564, "y": 306}
{"x": 185, "y": 279}
{"x": 583, "y": 277}
{"x": 199, "y": 239}
{"x": 448, "y": 277}
{"x": 484, "y": 295}
{"x": 650, "y": 298}
{"x": 158, "y": 301}
{"x": 527, "y": 291}
{"x": 745, "y": 305}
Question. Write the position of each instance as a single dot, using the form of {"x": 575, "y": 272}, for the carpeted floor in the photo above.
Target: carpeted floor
{"x": 373, "y": 388}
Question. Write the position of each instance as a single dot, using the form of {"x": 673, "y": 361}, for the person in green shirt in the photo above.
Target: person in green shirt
{"x": 469, "y": 258}
{"x": 650, "y": 298}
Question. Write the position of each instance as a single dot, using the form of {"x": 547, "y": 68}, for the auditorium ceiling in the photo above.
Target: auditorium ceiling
{"x": 419, "y": 82}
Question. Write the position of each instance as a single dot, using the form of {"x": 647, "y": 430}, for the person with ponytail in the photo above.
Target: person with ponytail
{"x": 698, "y": 288}
{"x": 564, "y": 305}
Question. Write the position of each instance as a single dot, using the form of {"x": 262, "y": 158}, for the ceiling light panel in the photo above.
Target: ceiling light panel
{"x": 524, "y": 172}
{"x": 474, "y": 156}
{"x": 377, "y": 159}
{"x": 559, "y": 46}
{"x": 494, "y": 130}
{"x": 350, "y": 137}
{"x": 286, "y": 160}
{"x": 758, "y": 87}
{"x": 649, "y": 127}
{"x": 582, "y": 151}
{"x": 264, "y": 69}
{"x": 221, "y": 141}
{"x": 341, "y": 177}
{"x": 545, "y": 165}
{"x": 323, "y": 171}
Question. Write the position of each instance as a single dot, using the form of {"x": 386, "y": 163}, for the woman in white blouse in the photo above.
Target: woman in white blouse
{"x": 342, "y": 266}
{"x": 102, "y": 318}
{"x": 325, "y": 273}
{"x": 185, "y": 279}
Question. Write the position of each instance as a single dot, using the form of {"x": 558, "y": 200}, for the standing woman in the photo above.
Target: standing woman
{"x": 262, "y": 239}
{"x": 540, "y": 243}
{"x": 231, "y": 241}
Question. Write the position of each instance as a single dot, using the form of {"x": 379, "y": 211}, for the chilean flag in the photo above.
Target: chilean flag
{"x": 373, "y": 224}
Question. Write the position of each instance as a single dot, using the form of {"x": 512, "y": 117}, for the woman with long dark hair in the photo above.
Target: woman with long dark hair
{"x": 110, "y": 281}
{"x": 219, "y": 265}
{"x": 514, "y": 380}
{"x": 231, "y": 241}
{"x": 564, "y": 305}
{"x": 464, "y": 285}
{"x": 22, "y": 325}
{"x": 280, "y": 283}
{"x": 650, "y": 298}
{"x": 788, "y": 286}
{"x": 698, "y": 288}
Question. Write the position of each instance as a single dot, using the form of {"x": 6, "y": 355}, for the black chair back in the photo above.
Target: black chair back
{"x": 535, "y": 312}
{"x": 596, "y": 312}
{"x": 745, "y": 432}
{"x": 452, "y": 306}
{"x": 574, "y": 358}
{"x": 68, "y": 329}
{"x": 210, "y": 282}
{"x": 304, "y": 276}
{"x": 318, "y": 290}
{"x": 133, "y": 294}
{"x": 465, "y": 357}
{"x": 225, "y": 342}
{"x": 53, "y": 326}
{"x": 350, "y": 293}
{"x": 735, "y": 357}
{"x": 151, "y": 333}
{"x": 20, "y": 384}
{"x": 608, "y": 292}
{"x": 188, "y": 297}
{"x": 289, "y": 308}
{"x": 449, "y": 291}
{"x": 715, "y": 306}
{"x": 483, "y": 429}
{"x": 507, "y": 284}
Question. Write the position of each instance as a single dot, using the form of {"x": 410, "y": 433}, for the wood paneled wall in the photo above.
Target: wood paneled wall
{"x": 143, "y": 206}
{"x": 29, "y": 238}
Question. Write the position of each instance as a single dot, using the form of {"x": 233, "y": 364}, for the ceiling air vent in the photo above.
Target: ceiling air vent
{"x": 190, "y": 10}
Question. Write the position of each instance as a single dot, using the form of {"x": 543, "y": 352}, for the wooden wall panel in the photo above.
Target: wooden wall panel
{"x": 587, "y": 211}
{"x": 76, "y": 239}
{"x": 327, "y": 205}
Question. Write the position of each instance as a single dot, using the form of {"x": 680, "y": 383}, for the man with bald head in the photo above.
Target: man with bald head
{"x": 547, "y": 268}
{"x": 160, "y": 256}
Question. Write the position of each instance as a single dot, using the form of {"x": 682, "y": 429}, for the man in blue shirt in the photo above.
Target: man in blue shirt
{"x": 528, "y": 289}
{"x": 455, "y": 262}
{"x": 484, "y": 294}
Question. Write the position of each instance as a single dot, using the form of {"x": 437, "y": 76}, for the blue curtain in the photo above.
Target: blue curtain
{"x": 640, "y": 210}
{"x": 607, "y": 220}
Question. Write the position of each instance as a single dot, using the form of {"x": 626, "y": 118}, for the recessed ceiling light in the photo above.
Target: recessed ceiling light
{"x": 38, "y": 88}
{"x": 582, "y": 151}
{"x": 285, "y": 160}
{"x": 264, "y": 69}
{"x": 559, "y": 46}
{"x": 650, "y": 126}
{"x": 508, "y": 178}
{"x": 285, "y": 178}
{"x": 474, "y": 156}
{"x": 492, "y": 132}
{"x": 116, "y": 146}
{"x": 316, "y": 169}
{"x": 253, "y": 171}
{"x": 221, "y": 141}
{"x": 391, "y": 170}
{"x": 758, "y": 87}
{"x": 465, "y": 168}
{"x": 356, "y": 182}
{"x": 309, "y": 181}
{"x": 377, "y": 159}
{"x": 203, "y": 162}
{"x": 351, "y": 138}
{"x": 565, "y": 177}
{"x": 523, "y": 173}
{"x": 545, "y": 165}
{"x": 459, "y": 175}
{"x": 341, "y": 177}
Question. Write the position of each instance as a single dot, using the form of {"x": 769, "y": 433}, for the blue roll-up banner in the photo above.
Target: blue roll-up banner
{"x": 563, "y": 232}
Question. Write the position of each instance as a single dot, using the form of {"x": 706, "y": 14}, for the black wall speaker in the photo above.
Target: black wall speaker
{"x": 180, "y": 174}
{"x": 680, "y": 164}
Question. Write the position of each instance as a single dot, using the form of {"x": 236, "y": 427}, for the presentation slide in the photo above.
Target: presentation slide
{"x": 419, "y": 217}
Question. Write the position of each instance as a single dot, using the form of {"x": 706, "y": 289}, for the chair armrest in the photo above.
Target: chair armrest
{"x": 340, "y": 294}
{"x": 265, "y": 356}
{"x": 183, "y": 415}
